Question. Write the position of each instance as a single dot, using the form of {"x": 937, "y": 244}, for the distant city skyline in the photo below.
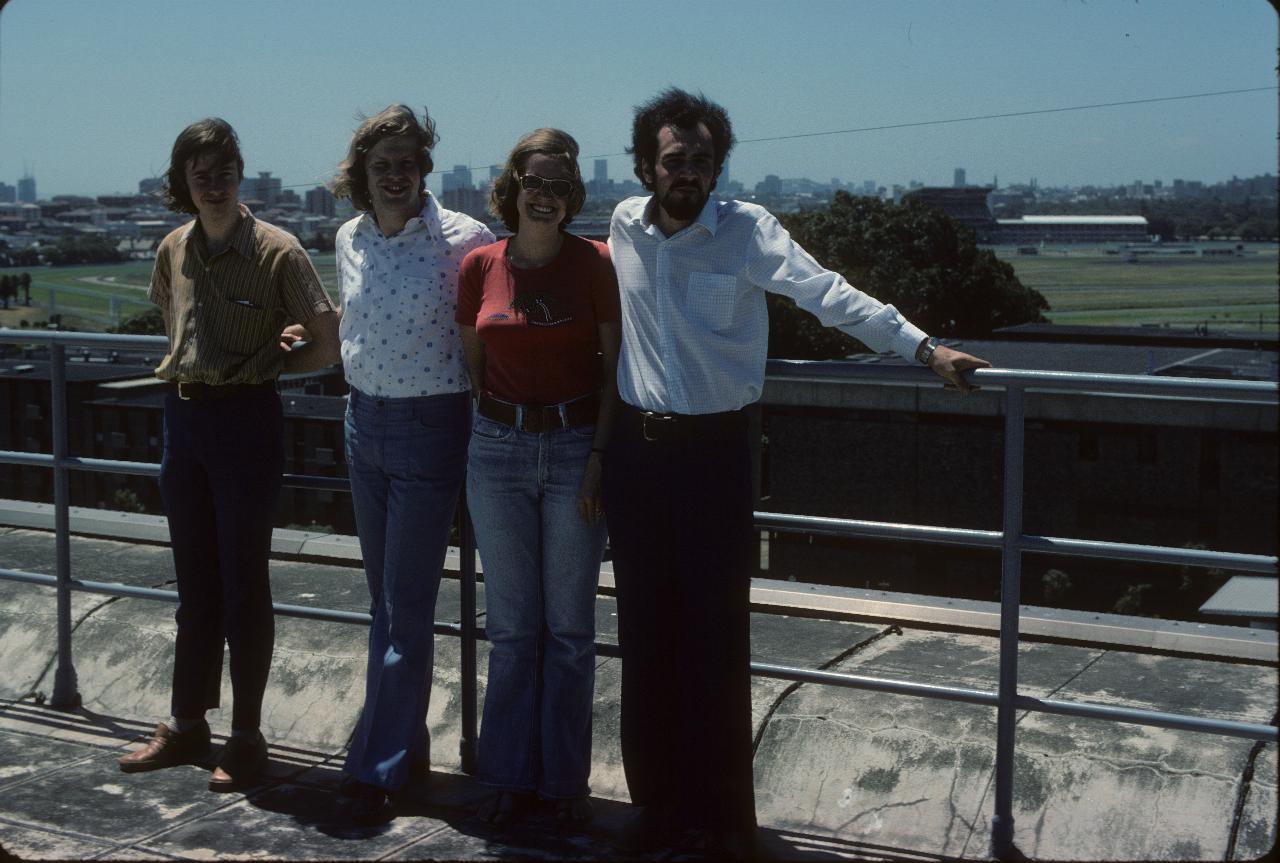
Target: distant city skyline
{"x": 92, "y": 94}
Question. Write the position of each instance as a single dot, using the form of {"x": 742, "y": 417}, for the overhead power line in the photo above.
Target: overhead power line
{"x": 949, "y": 120}
{"x": 1006, "y": 114}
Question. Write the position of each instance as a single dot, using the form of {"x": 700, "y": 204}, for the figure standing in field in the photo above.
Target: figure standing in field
{"x": 406, "y": 429}
{"x": 226, "y": 285}
{"x": 539, "y": 318}
{"x": 692, "y": 274}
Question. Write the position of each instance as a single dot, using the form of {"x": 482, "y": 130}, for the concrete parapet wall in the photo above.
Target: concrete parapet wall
{"x": 885, "y": 771}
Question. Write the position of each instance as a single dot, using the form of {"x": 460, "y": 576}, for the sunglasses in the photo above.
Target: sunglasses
{"x": 534, "y": 183}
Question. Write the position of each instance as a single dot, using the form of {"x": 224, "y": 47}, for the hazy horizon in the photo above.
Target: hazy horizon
{"x": 92, "y": 94}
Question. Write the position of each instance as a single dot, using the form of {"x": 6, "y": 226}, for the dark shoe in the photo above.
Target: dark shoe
{"x": 505, "y": 807}
{"x": 167, "y": 748}
{"x": 242, "y": 760}
{"x": 369, "y": 805}
{"x": 649, "y": 829}
{"x": 573, "y": 812}
{"x": 349, "y": 787}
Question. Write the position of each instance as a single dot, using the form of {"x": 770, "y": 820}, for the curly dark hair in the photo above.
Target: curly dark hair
{"x": 351, "y": 181}
{"x": 210, "y": 135}
{"x": 506, "y": 188}
{"x": 676, "y": 107}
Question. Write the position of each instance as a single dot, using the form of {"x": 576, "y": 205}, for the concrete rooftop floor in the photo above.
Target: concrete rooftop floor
{"x": 840, "y": 773}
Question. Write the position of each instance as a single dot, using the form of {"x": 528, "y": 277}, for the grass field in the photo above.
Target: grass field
{"x": 1088, "y": 286}
{"x": 84, "y": 295}
{"x": 1084, "y": 285}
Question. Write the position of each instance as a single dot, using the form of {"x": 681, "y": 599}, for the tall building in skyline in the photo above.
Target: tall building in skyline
{"x": 458, "y": 178}
{"x": 8, "y": 194}
{"x": 320, "y": 202}
{"x": 601, "y": 174}
{"x": 264, "y": 188}
{"x": 27, "y": 189}
{"x": 959, "y": 179}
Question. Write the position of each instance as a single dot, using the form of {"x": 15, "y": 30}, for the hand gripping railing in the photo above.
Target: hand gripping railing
{"x": 1011, "y": 541}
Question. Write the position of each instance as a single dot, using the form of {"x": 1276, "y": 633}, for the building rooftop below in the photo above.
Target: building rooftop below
{"x": 1248, "y": 596}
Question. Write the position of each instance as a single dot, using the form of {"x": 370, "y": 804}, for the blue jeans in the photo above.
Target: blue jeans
{"x": 541, "y": 568}
{"x": 220, "y": 479}
{"x": 405, "y": 458}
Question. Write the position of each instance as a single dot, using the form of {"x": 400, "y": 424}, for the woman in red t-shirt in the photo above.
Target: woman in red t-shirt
{"x": 539, "y": 319}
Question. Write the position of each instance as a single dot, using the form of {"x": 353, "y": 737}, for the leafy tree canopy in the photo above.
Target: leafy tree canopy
{"x": 915, "y": 257}
{"x": 148, "y": 323}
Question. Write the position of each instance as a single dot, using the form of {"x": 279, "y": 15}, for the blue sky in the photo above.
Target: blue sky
{"x": 92, "y": 92}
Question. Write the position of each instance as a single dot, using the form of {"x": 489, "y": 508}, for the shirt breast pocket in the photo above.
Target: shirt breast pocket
{"x": 245, "y": 329}
{"x": 713, "y": 299}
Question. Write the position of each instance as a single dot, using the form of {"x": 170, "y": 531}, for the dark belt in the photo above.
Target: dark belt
{"x": 654, "y": 426}
{"x": 540, "y": 418}
{"x": 186, "y": 390}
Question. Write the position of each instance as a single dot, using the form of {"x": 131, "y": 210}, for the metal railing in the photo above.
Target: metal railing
{"x": 1011, "y": 541}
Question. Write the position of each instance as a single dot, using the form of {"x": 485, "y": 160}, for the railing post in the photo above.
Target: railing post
{"x": 66, "y": 693}
{"x": 1010, "y": 599}
{"x": 470, "y": 684}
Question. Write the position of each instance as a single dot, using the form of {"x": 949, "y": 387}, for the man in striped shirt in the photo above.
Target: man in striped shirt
{"x": 226, "y": 284}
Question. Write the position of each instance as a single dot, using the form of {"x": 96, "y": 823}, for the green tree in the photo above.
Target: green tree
{"x": 917, "y": 258}
{"x": 148, "y": 323}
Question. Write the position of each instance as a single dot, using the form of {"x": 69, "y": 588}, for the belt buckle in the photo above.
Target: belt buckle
{"x": 185, "y": 398}
{"x": 658, "y": 421}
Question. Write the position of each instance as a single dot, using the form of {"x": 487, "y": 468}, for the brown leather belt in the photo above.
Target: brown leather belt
{"x": 187, "y": 390}
{"x": 540, "y": 418}
{"x": 654, "y": 426}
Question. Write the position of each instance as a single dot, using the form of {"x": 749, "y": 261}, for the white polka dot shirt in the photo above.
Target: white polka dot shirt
{"x": 398, "y": 297}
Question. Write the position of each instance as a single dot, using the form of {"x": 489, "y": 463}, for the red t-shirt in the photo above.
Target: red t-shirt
{"x": 540, "y": 326}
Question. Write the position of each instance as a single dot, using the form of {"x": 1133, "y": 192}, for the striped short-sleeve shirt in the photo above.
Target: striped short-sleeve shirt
{"x": 224, "y": 312}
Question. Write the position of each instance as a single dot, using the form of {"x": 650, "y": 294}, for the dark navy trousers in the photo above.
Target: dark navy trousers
{"x": 680, "y": 523}
{"x": 220, "y": 480}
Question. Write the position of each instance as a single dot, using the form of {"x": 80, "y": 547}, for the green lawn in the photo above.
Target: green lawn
{"x": 84, "y": 293}
{"x": 1088, "y": 286}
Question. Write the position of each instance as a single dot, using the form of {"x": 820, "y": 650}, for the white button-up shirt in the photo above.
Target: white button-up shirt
{"x": 695, "y": 326}
{"x": 398, "y": 296}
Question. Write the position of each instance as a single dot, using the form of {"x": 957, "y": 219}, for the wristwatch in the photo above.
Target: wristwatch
{"x": 925, "y": 352}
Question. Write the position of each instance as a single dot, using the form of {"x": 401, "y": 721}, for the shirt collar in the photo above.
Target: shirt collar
{"x": 708, "y": 218}
{"x": 242, "y": 240}
{"x": 428, "y": 218}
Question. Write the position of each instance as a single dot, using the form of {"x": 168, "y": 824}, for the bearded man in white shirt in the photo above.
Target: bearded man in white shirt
{"x": 692, "y": 274}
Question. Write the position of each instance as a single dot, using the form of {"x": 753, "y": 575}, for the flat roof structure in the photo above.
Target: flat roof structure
{"x": 1249, "y": 596}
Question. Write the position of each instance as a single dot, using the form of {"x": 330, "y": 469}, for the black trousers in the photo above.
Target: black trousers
{"x": 680, "y": 526}
{"x": 220, "y": 480}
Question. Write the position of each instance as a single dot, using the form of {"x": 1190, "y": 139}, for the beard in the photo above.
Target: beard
{"x": 682, "y": 207}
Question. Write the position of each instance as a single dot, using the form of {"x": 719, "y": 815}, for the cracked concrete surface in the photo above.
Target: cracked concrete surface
{"x": 858, "y": 769}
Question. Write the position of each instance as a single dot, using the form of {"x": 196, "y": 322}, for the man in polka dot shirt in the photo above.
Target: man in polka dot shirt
{"x": 406, "y": 429}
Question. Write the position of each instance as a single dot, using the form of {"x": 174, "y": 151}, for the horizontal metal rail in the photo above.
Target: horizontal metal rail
{"x": 1011, "y": 540}
{"x": 1130, "y": 715}
{"x": 853, "y": 528}
{"x": 837, "y": 371}
{"x": 151, "y": 469}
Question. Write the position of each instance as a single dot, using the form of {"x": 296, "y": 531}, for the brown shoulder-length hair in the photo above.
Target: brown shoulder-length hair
{"x": 547, "y": 142}
{"x": 392, "y": 121}
{"x": 210, "y": 135}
